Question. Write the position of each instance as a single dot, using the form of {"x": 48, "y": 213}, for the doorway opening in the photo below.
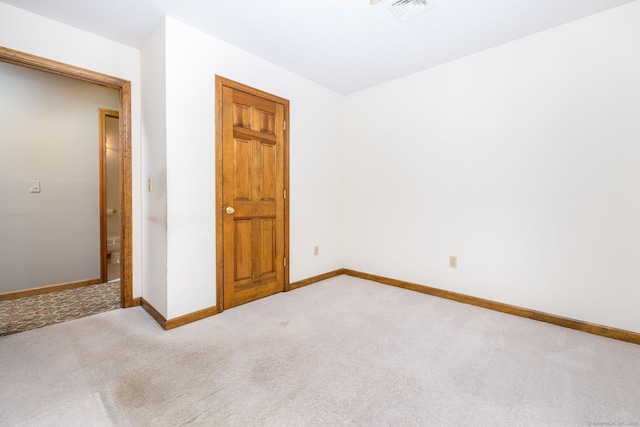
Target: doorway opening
{"x": 124, "y": 129}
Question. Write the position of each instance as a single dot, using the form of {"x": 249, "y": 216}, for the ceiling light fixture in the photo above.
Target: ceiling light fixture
{"x": 404, "y": 9}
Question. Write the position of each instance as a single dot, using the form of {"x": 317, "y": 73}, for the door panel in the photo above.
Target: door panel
{"x": 242, "y": 270}
{"x": 253, "y": 201}
{"x": 267, "y": 247}
{"x": 242, "y": 163}
{"x": 268, "y": 157}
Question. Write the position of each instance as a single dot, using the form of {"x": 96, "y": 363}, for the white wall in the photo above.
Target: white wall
{"x": 193, "y": 59}
{"x": 30, "y": 33}
{"x": 154, "y": 134}
{"x": 522, "y": 160}
{"x": 50, "y": 133}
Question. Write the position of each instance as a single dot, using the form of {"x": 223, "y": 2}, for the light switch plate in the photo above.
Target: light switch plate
{"x": 453, "y": 261}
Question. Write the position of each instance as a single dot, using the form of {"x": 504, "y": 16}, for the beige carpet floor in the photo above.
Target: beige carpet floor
{"x": 343, "y": 352}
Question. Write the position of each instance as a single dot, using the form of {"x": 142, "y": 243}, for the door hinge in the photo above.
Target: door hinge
{"x": 285, "y": 194}
{"x": 285, "y": 262}
{"x": 285, "y": 125}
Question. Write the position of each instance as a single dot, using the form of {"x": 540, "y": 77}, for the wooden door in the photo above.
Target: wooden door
{"x": 252, "y": 205}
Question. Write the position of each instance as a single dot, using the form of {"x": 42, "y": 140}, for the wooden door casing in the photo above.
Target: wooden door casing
{"x": 103, "y": 115}
{"x": 252, "y": 179}
{"x": 126, "y": 198}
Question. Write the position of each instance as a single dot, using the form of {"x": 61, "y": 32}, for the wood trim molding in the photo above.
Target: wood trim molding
{"x": 136, "y": 302}
{"x": 191, "y": 317}
{"x": 103, "y": 114}
{"x": 219, "y": 204}
{"x": 154, "y": 313}
{"x": 604, "y": 331}
{"x": 177, "y": 321}
{"x": 314, "y": 279}
{"x": 126, "y": 198}
{"x": 124, "y": 87}
{"x": 48, "y": 289}
{"x": 43, "y": 64}
{"x": 102, "y": 162}
{"x": 600, "y": 330}
{"x": 287, "y": 188}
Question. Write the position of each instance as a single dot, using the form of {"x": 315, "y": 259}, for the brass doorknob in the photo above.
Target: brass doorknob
{"x": 230, "y": 210}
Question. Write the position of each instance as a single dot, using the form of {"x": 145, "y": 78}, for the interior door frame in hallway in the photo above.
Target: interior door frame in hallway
{"x": 124, "y": 88}
{"x": 224, "y": 85}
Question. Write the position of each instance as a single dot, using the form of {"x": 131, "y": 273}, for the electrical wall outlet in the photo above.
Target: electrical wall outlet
{"x": 316, "y": 250}
{"x": 453, "y": 261}
{"x": 34, "y": 187}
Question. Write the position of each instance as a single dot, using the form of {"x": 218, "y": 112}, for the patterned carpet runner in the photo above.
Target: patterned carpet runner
{"x": 36, "y": 311}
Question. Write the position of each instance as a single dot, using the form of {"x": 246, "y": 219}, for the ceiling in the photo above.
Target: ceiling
{"x": 344, "y": 46}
